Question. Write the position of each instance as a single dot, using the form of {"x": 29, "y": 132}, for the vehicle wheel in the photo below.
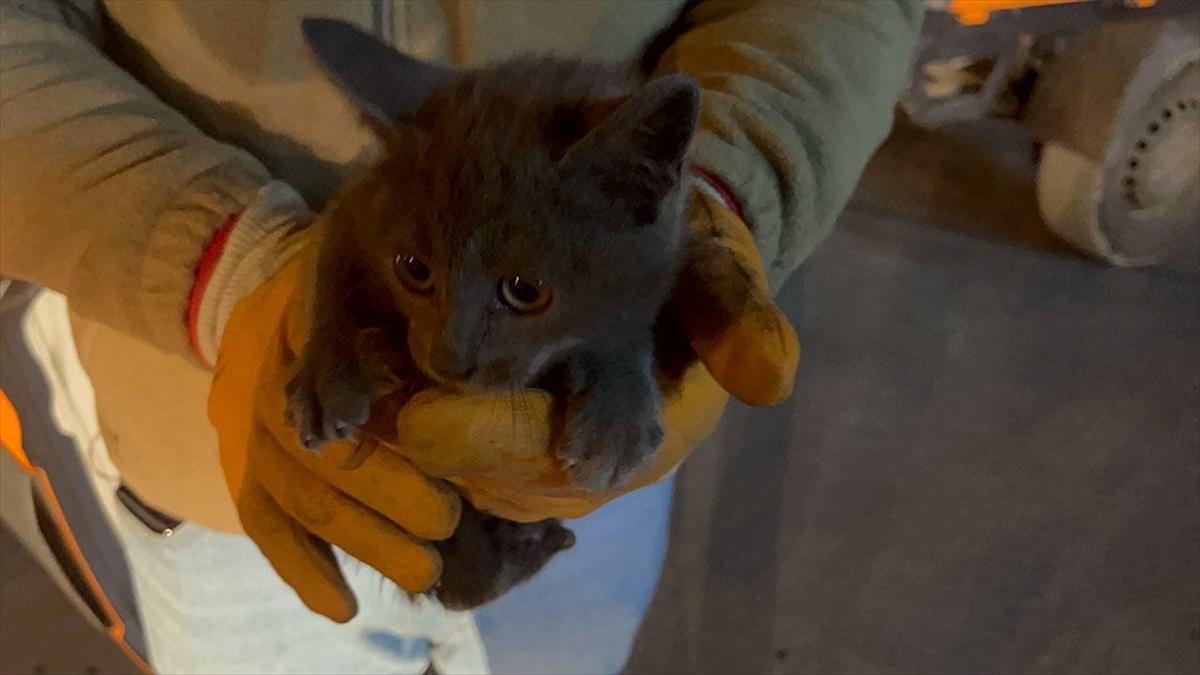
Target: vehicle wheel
{"x": 1119, "y": 119}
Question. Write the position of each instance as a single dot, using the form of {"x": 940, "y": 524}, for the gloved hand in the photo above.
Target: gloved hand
{"x": 497, "y": 448}
{"x": 294, "y": 503}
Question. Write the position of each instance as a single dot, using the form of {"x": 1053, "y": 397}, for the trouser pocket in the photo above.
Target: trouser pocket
{"x": 154, "y": 520}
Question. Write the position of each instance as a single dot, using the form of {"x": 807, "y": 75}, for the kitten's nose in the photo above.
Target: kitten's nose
{"x": 452, "y": 364}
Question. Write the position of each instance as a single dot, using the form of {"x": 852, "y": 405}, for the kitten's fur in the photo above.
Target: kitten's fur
{"x": 534, "y": 168}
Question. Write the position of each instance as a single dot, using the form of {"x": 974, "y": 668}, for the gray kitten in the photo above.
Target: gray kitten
{"x": 523, "y": 228}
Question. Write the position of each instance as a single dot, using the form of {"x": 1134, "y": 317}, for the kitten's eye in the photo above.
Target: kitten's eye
{"x": 413, "y": 273}
{"x": 523, "y": 295}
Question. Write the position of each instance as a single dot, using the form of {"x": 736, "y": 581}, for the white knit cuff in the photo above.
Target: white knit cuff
{"x": 260, "y": 242}
{"x": 703, "y": 186}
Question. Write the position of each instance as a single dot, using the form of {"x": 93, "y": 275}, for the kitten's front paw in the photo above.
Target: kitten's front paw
{"x": 604, "y": 448}
{"x": 328, "y": 406}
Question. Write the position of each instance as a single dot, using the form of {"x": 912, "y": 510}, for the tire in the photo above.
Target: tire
{"x": 1119, "y": 119}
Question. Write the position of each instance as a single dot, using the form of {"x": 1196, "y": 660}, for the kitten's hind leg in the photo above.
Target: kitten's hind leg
{"x": 487, "y": 556}
{"x": 612, "y": 429}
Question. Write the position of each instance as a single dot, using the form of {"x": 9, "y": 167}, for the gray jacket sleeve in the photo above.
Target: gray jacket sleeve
{"x": 106, "y": 194}
{"x": 796, "y": 97}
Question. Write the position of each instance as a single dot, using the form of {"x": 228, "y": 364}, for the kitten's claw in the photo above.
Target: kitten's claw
{"x": 602, "y": 453}
{"x": 329, "y": 408}
{"x": 302, "y": 417}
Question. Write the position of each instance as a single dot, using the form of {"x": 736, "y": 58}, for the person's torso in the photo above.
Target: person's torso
{"x": 241, "y": 70}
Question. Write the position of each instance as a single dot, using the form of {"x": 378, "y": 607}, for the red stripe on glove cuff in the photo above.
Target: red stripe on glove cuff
{"x": 727, "y": 196}
{"x": 203, "y": 274}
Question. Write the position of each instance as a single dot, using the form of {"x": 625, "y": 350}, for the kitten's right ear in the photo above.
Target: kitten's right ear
{"x": 654, "y": 125}
{"x": 641, "y": 145}
{"x": 385, "y": 85}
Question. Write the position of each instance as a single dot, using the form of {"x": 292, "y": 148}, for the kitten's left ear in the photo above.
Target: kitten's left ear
{"x": 640, "y": 147}
{"x": 385, "y": 85}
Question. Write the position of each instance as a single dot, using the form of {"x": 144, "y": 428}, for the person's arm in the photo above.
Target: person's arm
{"x": 796, "y": 98}
{"x": 116, "y": 200}
{"x": 108, "y": 195}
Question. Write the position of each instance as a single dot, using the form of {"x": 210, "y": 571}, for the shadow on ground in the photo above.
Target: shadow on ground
{"x": 991, "y": 462}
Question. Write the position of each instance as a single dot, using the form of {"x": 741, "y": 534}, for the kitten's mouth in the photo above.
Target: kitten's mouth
{"x": 475, "y": 383}
{"x": 442, "y": 380}
{"x": 467, "y": 386}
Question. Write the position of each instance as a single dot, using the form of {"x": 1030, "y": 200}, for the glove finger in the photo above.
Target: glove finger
{"x": 299, "y": 276}
{"x": 339, "y": 520}
{"x": 451, "y": 434}
{"x": 725, "y": 305}
{"x": 234, "y": 386}
{"x": 689, "y": 418}
{"x": 388, "y": 484}
{"x": 302, "y": 561}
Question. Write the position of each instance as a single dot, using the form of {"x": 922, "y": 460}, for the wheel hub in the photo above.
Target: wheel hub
{"x": 1153, "y": 186}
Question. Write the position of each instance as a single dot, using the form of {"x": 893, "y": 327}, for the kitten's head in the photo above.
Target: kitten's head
{"x": 516, "y": 223}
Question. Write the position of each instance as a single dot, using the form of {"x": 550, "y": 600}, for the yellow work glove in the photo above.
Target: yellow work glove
{"x": 498, "y": 448}
{"x": 294, "y": 503}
